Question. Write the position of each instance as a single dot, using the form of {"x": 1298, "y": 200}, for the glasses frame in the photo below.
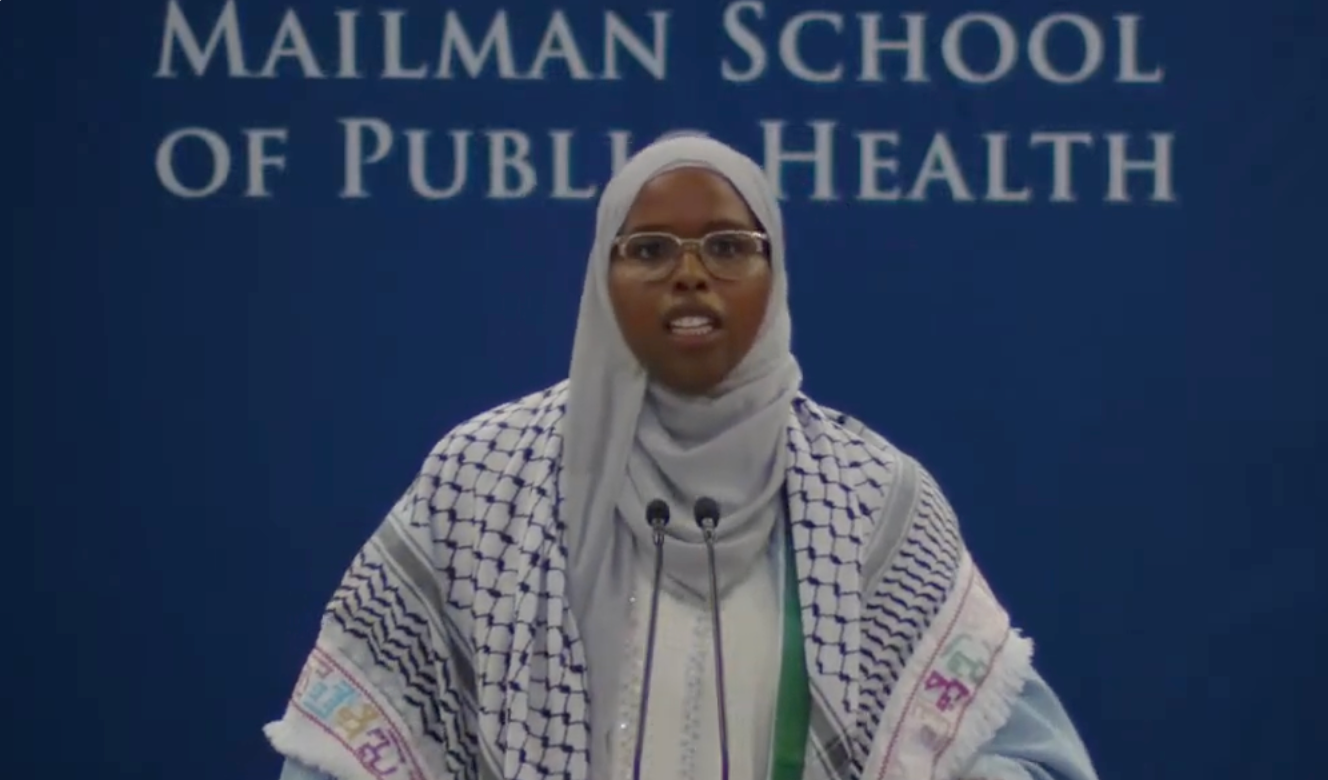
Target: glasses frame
{"x": 696, "y": 246}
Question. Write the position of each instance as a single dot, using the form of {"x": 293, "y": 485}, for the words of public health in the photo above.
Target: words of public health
{"x": 492, "y": 54}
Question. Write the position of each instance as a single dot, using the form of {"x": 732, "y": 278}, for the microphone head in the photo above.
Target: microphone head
{"x": 706, "y": 512}
{"x": 657, "y": 513}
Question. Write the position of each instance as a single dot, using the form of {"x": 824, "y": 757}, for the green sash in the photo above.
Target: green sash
{"x": 793, "y": 705}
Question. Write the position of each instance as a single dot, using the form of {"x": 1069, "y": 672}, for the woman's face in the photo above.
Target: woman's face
{"x": 687, "y": 325}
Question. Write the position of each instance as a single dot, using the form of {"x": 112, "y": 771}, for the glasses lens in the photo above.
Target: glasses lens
{"x": 730, "y": 244}
{"x": 650, "y": 248}
{"x": 728, "y": 253}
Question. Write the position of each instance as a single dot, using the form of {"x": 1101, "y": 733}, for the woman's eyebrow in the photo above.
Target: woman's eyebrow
{"x": 714, "y": 224}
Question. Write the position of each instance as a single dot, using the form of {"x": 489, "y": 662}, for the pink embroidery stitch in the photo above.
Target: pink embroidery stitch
{"x": 951, "y": 690}
{"x": 379, "y": 754}
{"x": 332, "y": 699}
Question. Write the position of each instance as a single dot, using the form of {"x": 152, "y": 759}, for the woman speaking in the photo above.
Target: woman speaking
{"x": 673, "y": 564}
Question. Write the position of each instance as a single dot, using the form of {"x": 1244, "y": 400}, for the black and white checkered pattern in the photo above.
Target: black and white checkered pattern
{"x": 457, "y": 609}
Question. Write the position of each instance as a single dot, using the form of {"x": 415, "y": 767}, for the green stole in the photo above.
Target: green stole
{"x": 793, "y": 703}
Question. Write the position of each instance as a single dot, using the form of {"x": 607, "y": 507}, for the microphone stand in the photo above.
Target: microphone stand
{"x": 706, "y": 512}
{"x": 657, "y": 515}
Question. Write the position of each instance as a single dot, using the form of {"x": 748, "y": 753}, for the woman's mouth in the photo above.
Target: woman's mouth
{"x": 692, "y": 325}
{"x": 693, "y": 330}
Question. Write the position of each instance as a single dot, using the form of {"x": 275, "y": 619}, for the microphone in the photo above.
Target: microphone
{"x": 657, "y": 515}
{"x": 706, "y": 512}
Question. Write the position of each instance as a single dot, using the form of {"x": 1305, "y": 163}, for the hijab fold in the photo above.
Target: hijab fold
{"x": 627, "y": 440}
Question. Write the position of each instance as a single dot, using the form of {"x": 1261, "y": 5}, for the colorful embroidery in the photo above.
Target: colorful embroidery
{"x": 960, "y": 670}
{"x": 968, "y": 658}
{"x": 326, "y": 694}
{"x": 933, "y": 727}
{"x": 960, "y": 692}
{"x": 947, "y": 691}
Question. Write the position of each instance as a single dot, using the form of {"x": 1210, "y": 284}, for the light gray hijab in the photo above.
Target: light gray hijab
{"x": 627, "y": 441}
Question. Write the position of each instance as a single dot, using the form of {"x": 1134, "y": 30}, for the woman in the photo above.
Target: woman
{"x": 497, "y": 623}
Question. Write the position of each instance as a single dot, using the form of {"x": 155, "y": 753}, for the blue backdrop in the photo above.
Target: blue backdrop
{"x": 1068, "y": 255}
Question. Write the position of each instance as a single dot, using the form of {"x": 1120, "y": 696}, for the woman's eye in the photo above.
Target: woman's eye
{"x": 648, "y": 249}
{"x": 724, "y": 247}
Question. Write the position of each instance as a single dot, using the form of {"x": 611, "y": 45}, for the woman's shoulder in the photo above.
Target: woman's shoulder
{"x": 889, "y": 483}
{"x": 819, "y": 421}
{"x": 861, "y": 453}
{"x": 525, "y": 427}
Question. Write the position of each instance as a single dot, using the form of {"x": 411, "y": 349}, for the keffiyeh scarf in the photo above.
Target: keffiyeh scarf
{"x": 449, "y": 649}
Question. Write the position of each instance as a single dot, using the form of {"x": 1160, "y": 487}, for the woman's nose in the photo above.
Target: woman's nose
{"x": 691, "y": 273}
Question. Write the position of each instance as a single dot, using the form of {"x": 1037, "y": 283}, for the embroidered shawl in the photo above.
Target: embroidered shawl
{"x": 449, "y": 650}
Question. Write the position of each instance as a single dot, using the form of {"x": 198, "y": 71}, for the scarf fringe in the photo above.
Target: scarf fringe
{"x": 331, "y": 760}
{"x": 992, "y": 708}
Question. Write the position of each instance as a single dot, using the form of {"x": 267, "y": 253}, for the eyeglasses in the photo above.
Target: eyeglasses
{"x": 726, "y": 254}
